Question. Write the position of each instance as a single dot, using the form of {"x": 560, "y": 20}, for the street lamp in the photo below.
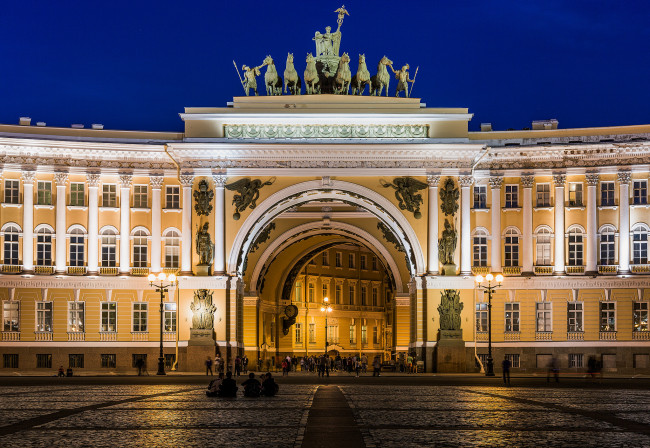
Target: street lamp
{"x": 490, "y": 288}
{"x": 326, "y": 308}
{"x": 158, "y": 282}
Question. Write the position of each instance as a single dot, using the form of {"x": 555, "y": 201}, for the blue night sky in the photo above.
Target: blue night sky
{"x": 136, "y": 64}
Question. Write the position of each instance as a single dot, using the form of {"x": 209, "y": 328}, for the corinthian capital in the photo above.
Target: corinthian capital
{"x": 592, "y": 179}
{"x": 60, "y": 179}
{"x": 219, "y": 180}
{"x": 559, "y": 179}
{"x": 465, "y": 181}
{"x": 187, "y": 180}
{"x": 528, "y": 181}
{"x": 126, "y": 180}
{"x": 28, "y": 177}
{"x": 93, "y": 179}
{"x": 156, "y": 181}
{"x": 624, "y": 177}
{"x": 433, "y": 180}
{"x": 496, "y": 182}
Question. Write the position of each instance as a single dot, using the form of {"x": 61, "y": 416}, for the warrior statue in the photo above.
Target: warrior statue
{"x": 202, "y": 310}
{"x": 250, "y": 81}
{"x": 204, "y": 245}
{"x": 327, "y": 47}
{"x": 447, "y": 244}
{"x": 450, "y": 308}
{"x": 403, "y": 79}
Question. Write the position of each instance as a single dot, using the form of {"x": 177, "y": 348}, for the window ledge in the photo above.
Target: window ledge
{"x": 7, "y": 204}
{"x": 172, "y": 210}
{"x": 543, "y": 207}
{"x": 140, "y": 209}
{"x": 575, "y": 207}
{"x": 511, "y": 209}
{"x": 43, "y": 207}
{"x": 78, "y": 207}
{"x": 646, "y": 206}
{"x": 608, "y": 207}
{"x": 480, "y": 209}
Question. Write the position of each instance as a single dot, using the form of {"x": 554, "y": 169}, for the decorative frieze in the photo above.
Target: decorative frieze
{"x": 241, "y": 131}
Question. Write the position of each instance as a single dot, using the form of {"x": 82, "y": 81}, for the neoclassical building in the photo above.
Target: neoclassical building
{"x": 321, "y": 196}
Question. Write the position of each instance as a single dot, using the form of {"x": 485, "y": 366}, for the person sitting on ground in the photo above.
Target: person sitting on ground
{"x": 228, "y": 387}
{"x": 252, "y": 387}
{"x": 61, "y": 371}
{"x": 213, "y": 387}
{"x": 269, "y": 386}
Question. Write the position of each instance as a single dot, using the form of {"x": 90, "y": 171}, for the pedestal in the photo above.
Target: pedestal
{"x": 201, "y": 337}
{"x": 199, "y": 347}
{"x": 203, "y": 270}
{"x": 450, "y": 352}
{"x": 448, "y": 269}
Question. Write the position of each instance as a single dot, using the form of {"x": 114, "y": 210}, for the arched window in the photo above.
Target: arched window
{"x": 607, "y": 246}
{"x": 172, "y": 248}
{"x": 543, "y": 246}
{"x": 77, "y": 245}
{"x": 640, "y": 244}
{"x": 11, "y": 234}
{"x": 480, "y": 247}
{"x": 576, "y": 246}
{"x": 109, "y": 245}
{"x": 44, "y": 247}
{"x": 511, "y": 247}
{"x": 139, "y": 249}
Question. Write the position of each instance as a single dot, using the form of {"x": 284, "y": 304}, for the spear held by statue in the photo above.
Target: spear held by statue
{"x": 413, "y": 82}
{"x": 240, "y": 78}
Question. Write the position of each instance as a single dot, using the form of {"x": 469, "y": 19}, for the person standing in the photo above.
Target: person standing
{"x": 244, "y": 363}
{"x": 376, "y": 367}
{"x": 237, "y": 366}
{"x": 208, "y": 366}
{"x": 505, "y": 365}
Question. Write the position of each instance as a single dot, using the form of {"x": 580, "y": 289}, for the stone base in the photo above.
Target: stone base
{"x": 203, "y": 270}
{"x": 201, "y": 337}
{"x": 450, "y": 356}
{"x": 196, "y": 357}
{"x": 449, "y": 269}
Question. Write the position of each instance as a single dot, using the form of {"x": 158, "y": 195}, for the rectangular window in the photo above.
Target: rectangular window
{"x": 325, "y": 291}
{"x": 12, "y": 191}
{"x": 11, "y": 246}
{"x": 543, "y": 248}
{"x": 351, "y": 260}
{"x": 337, "y": 259}
{"x": 140, "y": 196}
{"x": 10, "y": 316}
{"x": 364, "y": 334}
{"x": 479, "y": 249}
{"x": 640, "y": 192}
{"x": 173, "y": 197}
{"x": 135, "y": 357}
{"x": 44, "y": 317}
{"x": 640, "y": 247}
{"x": 511, "y": 250}
{"x": 375, "y": 297}
{"x": 374, "y": 263}
{"x": 575, "y": 316}
{"x": 375, "y": 335}
{"x": 640, "y": 316}
{"x": 512, "y": 196}
{"x": 480, "y": 196}
{"x": 576, "y": 360}
{"x": 298, "y": 292}
{"x": 77, "y": 245}
{"x": 76, "y": 361}
{"x": 140, "y": 316}
{"x": 310, "y": 292}
{"x": 543, "y": 195}
{"x": 109, "y": 317}
{"x": 10, "y": 361}
{"x": 512, "y": 317}
{"x": 607, "y": 316}
{"x": 364, "y": 262}
{"x": 607, "y": 194}
{"x": 325, "y": 260}
{"x": 575, "y": 194}
{"x": 481, "y": 317}
{"x": 515, "y": 363}
{"x": 544, "y": 315}
{"x": 312, "y": 333}
{"x": 364, "y": 295}
{"x": 77, "y": 196}
{"x": 351, "y": 295}
{"x": 109, "y": 243}
{"x": 337, "y": 294}
{"x": 297, "y": 331}
{"x": 109, "y": 195}
{"x": 76, "y": 317}
{"x": 607, "y": 248}
{"x": 333, "y": 334}
{"x": 44, "y": 361}
{"x": 170, "y": 317}
{"x": 109, "y": 361}
{"x": 170, "y": 360}
{"x": 353, "y": 333}
{"x": 44, "y": 193}
{"x": 44, "y": 248}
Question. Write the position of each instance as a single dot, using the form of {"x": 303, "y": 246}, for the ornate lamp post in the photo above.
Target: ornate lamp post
{"x": 326, "y": 308}
{"x": 158, "y": 282}
{"x": 490, "y": 288}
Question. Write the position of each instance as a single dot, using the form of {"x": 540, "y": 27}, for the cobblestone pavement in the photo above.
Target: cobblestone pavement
{"x": 386, "y": 415}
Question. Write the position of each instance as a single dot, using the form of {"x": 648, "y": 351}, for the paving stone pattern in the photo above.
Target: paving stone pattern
{"x": 373, "y": 416}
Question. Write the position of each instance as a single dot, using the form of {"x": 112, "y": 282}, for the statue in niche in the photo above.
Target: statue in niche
{"x": 449, "y": 309}
{"x": 203, "y": 196}
{"x": 204, "y": 245}
{"x": 406, "y": 192}
{"x": 202, "y": 310}
{"x": 447, "y": 244}
{"x": 449, "y": 196}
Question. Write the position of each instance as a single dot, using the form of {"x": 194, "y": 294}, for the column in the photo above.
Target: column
{"x": 624, "y": 222}
{"x": 61, "y": 179}
{"x": 559, "y": 231}
{"x": 495, "y": 246}
{"x": 592, "y": 224}
{"x": 465, "y": 225}
{"x": 219, "y": 224}
{"x": 187, "y": 181}
{"x": 527, "y": 231}
{"x": 93, "y": 222}
{"x": 125, "y": 223}
{"x": 434, "y": 263}
{"x": 28, "y": 221}
{"x": 156, "y": 222}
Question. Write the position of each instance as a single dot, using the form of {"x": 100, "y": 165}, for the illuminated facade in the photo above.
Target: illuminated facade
{"x": 86, "y": 214}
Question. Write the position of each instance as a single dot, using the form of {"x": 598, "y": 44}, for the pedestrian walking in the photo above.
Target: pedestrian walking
{"x": 208, "y": 366}
{"x": 376, "y": 367}
{"x": 505, "y": 365}
{"x": 237, "y": 366}
{"x": 553, "y": 369}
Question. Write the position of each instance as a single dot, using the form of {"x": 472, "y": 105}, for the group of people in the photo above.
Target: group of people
{"x": 227, "y": 387}
{"x": 241, "y": 364}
